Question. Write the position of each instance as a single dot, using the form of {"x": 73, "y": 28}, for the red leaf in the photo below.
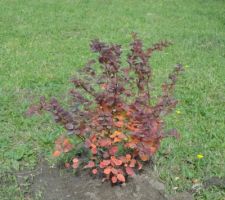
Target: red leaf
{"x": 130, "y": 171}
{"x": 114, "y": 179}
{"x": 94, "y": 171}
{"x": 121, "y": 178}
{"x": 104, "y": 163}
{"x": 89, "y": 165}
{"x": 113, "y": 150}
{"x": 105, "y": 142}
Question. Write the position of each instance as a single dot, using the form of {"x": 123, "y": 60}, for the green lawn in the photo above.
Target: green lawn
{"x": 43, "y": 42}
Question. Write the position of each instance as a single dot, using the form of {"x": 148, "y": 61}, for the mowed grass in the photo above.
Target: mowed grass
{"x": 43, "y": 43}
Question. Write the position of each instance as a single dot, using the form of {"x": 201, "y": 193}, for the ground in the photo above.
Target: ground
{"x": 44, "y": 42}
{"x": 55, "y": 183}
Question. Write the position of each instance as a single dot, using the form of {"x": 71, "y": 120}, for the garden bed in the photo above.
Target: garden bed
{"x": 54, "y": 183}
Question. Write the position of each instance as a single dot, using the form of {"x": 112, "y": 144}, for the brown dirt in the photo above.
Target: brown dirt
{"x": 57, "y": 184}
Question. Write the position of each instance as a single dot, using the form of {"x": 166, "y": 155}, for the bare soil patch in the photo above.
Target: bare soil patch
{"x": 53, "y": 183}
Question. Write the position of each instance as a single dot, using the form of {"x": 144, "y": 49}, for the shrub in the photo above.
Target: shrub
{"x": 112, "y": 112}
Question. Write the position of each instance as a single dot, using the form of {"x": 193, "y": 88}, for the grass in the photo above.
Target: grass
{"x": 44, "y": 42}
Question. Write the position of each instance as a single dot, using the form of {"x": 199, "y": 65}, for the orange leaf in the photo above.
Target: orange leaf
{"x": 128, "y": 157}
{"x": 153, "y": 149}
{"x": 66, "y": 141}
{"x": 93, "y": 146}
{"x": 94, "y": 171}
{"x": 116, "y": 161}
{"x": 119, "y": 117}
{"x": 132, "y": 163}
{"x": 114, "y": 179}
{"x": 67, "y": 148}
{"x": 143, "y": 156}
{"x": 94, "y": 150}
{"x": 107, "y": 170}
{"x": 93, "y": 138}
{"x": 121, "y": 178}
{"x": 131, "y": 145}
{"x": 116, "y": 139}
{"x": 104, "y": 163}
{"x": 56, "y": 153}
{"x": 132, "y": 127}
{"x": 114, "y": 171}
{"x": 116, "y": 133}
